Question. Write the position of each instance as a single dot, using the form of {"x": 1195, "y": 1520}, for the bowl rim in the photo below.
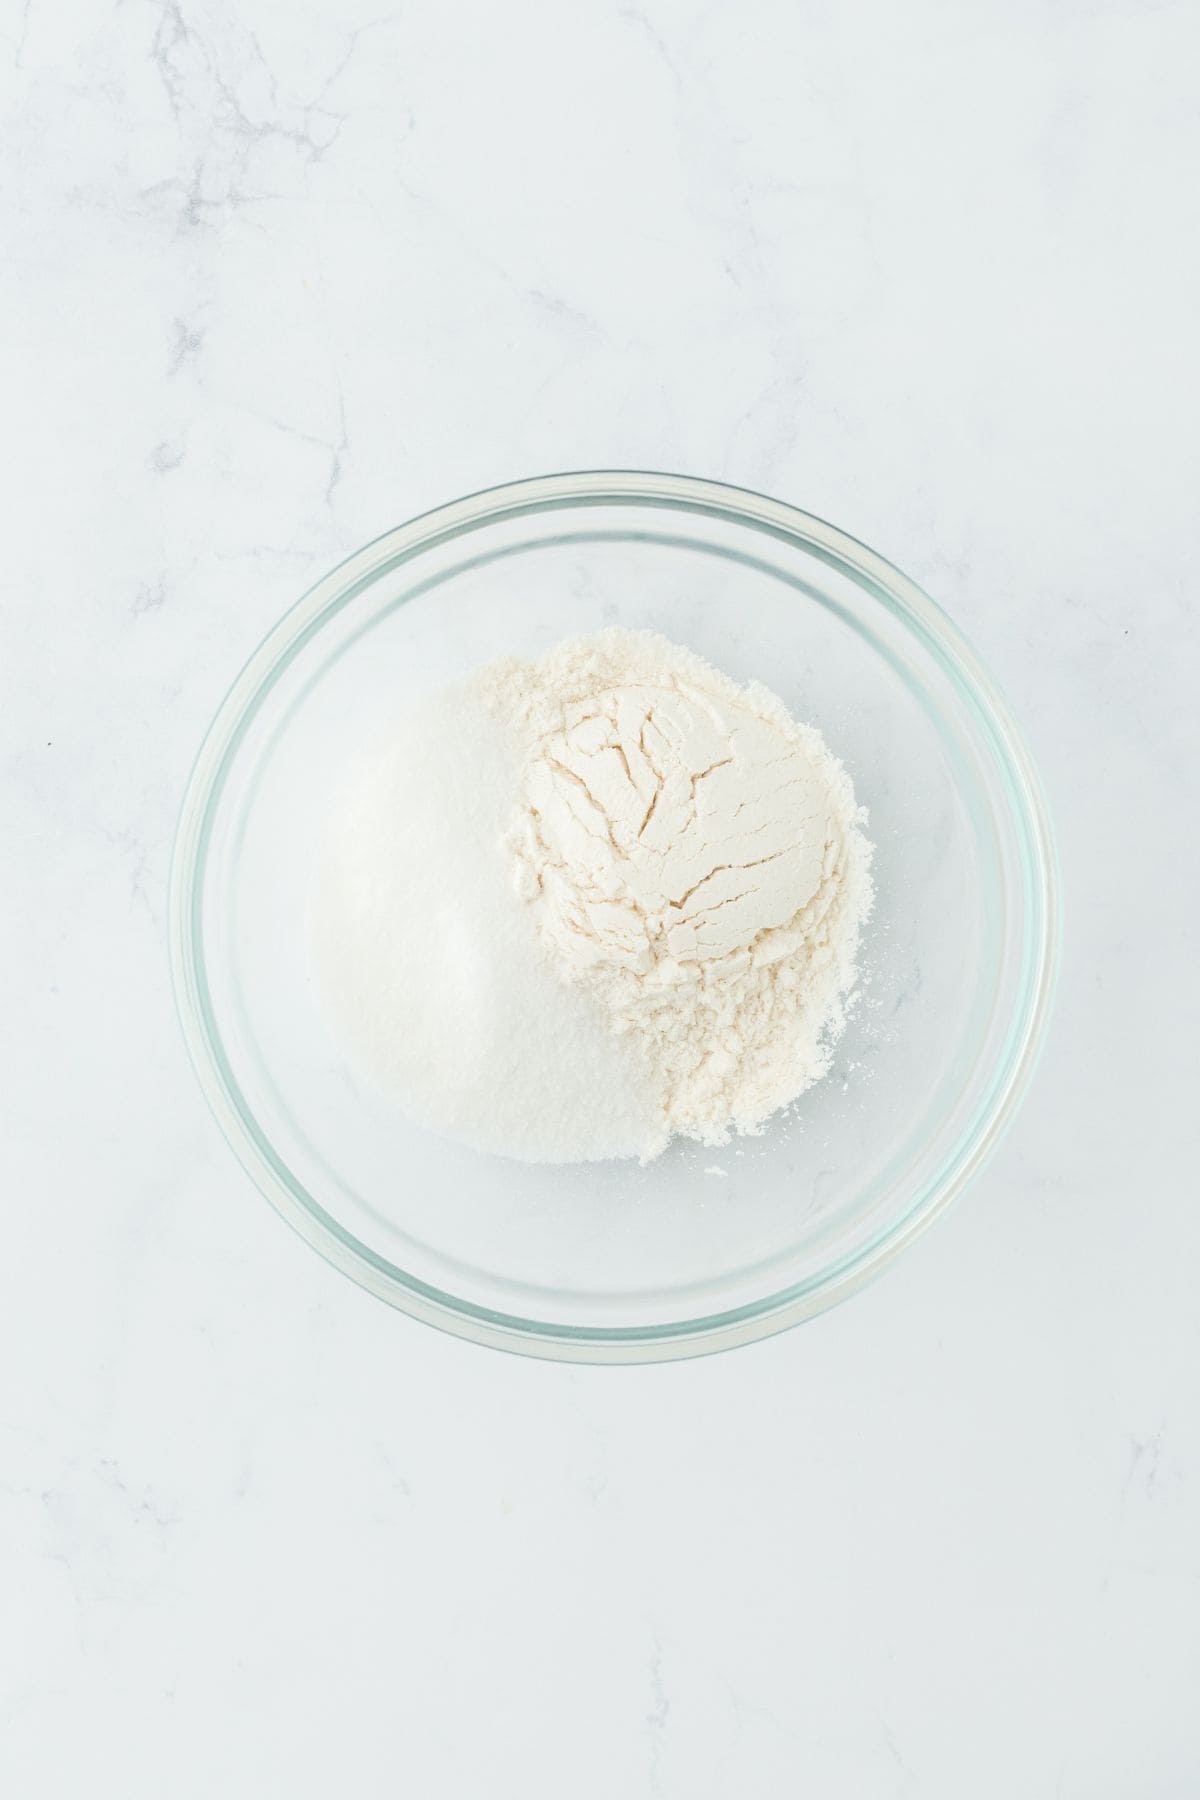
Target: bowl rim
{"x": 537, "y": 494}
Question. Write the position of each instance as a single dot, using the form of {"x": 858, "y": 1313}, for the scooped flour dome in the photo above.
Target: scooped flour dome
{"x": 588, "y": 902}
{"x": 693, "y": 861}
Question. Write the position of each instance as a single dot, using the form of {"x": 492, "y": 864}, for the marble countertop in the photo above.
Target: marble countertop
{"x": 277, "y": 276}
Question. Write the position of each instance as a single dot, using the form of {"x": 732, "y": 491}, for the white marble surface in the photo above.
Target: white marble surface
{"x": 276, "y": 276}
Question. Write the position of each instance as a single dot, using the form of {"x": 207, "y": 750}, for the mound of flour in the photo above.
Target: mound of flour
{"x": 693, "y": 861}
{"x": 582, "y": 904}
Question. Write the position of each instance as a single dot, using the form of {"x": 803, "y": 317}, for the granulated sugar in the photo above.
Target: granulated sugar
{"x": 583, "y": 904}
{"x": 430, "y": 972}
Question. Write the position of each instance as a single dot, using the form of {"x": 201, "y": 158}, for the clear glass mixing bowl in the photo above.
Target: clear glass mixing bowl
{"x": 702, "y": 1249}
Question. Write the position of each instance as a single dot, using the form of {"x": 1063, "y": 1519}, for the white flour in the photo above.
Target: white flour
{"x": 693, "y": 861}
{"x": 586, "y": 903}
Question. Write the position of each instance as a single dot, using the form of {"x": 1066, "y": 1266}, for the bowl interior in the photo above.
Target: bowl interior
{"x": 614, "y": 1252}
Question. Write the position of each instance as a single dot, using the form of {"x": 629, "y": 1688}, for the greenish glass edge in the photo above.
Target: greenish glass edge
{"x": 950, "y": 651}
{"x": 778, "y": 1301}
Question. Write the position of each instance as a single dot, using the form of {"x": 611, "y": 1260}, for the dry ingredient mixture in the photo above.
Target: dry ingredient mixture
{"x": 583, "y": 904}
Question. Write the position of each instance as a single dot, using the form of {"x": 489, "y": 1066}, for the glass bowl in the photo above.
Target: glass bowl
{"x": 702, "y": 1249}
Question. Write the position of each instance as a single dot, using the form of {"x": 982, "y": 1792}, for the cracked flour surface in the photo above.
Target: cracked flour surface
{"x": 694, "y": 863}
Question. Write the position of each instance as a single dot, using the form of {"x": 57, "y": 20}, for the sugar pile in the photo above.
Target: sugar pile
{"x": 583, "y": 904}
{"x": 428, "y": 969}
